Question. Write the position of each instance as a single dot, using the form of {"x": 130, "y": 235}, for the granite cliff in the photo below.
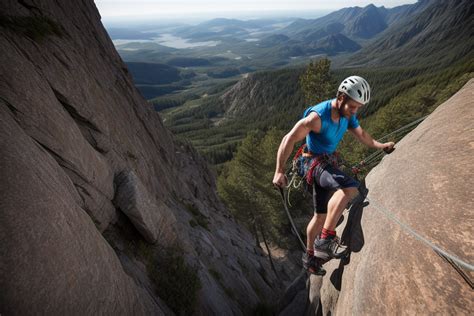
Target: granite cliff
{"x": 93, "y": 187}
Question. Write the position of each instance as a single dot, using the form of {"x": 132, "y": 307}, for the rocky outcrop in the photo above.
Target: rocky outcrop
{"x": 242, "y": 96}
{"x": 149, "y": 216}
{"x": 427, "y": 184}
{"x": 261, "y": 93}
{"x": 88, "y": 172}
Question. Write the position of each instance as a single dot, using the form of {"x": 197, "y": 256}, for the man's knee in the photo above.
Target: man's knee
{"x": 350, "y": 192}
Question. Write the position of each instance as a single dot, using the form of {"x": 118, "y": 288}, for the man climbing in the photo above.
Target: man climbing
{"x": 323, "y": 125}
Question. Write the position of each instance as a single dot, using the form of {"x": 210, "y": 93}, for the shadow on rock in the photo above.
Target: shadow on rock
{"x": 296, "y": 295}
{"x": 353, "y": 235}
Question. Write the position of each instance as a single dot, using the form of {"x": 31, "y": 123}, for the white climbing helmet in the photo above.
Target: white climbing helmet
{"x": 356, "y": 88}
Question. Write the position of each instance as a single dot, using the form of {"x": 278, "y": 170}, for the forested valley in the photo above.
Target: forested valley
{"x": 237, "y": 124}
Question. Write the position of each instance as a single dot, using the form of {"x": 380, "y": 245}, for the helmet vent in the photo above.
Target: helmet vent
{"x": 351, "y": 80}
{"x": 360, "y": 93}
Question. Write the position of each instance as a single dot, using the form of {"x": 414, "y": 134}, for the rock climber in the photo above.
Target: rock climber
{"x": 323, "y": 125}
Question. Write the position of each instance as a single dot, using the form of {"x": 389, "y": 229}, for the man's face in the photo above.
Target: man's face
{"x": 350, "y": 108}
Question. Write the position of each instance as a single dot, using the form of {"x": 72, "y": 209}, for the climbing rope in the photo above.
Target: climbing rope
{"x": 458, "y": 270}
{"x": 403, "y": 128}
{"x": 412, "y": 232}
{"x": 374, "y": 158}
{"x": 293, "y": 226}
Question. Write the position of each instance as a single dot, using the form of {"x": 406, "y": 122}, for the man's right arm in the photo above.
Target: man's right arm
{"x": 297, "y": 133}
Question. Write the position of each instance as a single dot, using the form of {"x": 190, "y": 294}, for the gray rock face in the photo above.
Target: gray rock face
{"x": 81, "y": 153}
{"x": 53, "y": 258}
{"x": 296, "y": 298}
{"x": 427, "y": 184}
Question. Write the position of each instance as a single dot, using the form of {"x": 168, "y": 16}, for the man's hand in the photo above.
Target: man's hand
{"x": 388, "y": 147}
{"x": 280, "y": 180}
{"x": 367, "y": 140}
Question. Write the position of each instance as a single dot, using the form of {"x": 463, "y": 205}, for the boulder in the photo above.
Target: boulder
{"x": 150, "y": 217}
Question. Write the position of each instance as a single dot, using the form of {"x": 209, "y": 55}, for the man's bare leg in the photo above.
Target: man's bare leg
{"x": 314, "y": 228}
{"x": 336, "y": 206}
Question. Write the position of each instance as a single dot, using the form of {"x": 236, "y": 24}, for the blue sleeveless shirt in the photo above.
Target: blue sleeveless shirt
{"x": 331, "y": 133}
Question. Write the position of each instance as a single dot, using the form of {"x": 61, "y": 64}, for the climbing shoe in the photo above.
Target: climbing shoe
{"x": 312, "y": 265}
{"x": 326, "y": 249}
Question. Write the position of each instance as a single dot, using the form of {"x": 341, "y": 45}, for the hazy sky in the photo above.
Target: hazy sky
{"x": 112, "y": 9}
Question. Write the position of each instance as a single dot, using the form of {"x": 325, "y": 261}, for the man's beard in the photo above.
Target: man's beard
{"x": 343, "y": 111}
{"x": 348, "y": 115}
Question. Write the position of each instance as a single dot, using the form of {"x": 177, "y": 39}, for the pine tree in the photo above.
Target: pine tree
{"x": 316, "y": 81}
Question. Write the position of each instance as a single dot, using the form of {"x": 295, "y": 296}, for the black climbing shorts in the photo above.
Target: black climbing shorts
{"x": 327, "y": 180}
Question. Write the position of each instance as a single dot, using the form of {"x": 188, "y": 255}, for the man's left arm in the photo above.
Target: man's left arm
{"x": 364, "y": 137}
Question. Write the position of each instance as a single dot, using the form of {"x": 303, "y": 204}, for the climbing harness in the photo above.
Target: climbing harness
{"x": 303, "y": 165}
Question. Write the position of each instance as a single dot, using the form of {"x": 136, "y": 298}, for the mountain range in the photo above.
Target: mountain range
{"x": 431, "y": 32}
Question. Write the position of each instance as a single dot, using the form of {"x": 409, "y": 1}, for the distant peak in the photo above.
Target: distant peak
{"x": 370, "y": 7}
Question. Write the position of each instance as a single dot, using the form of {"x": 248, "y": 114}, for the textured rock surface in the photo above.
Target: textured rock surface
{"x": 426, "y": 183}
{"x": 237, "y": 102}
{"x": 71, "y": 123}
{"x": 53, "y": 259}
